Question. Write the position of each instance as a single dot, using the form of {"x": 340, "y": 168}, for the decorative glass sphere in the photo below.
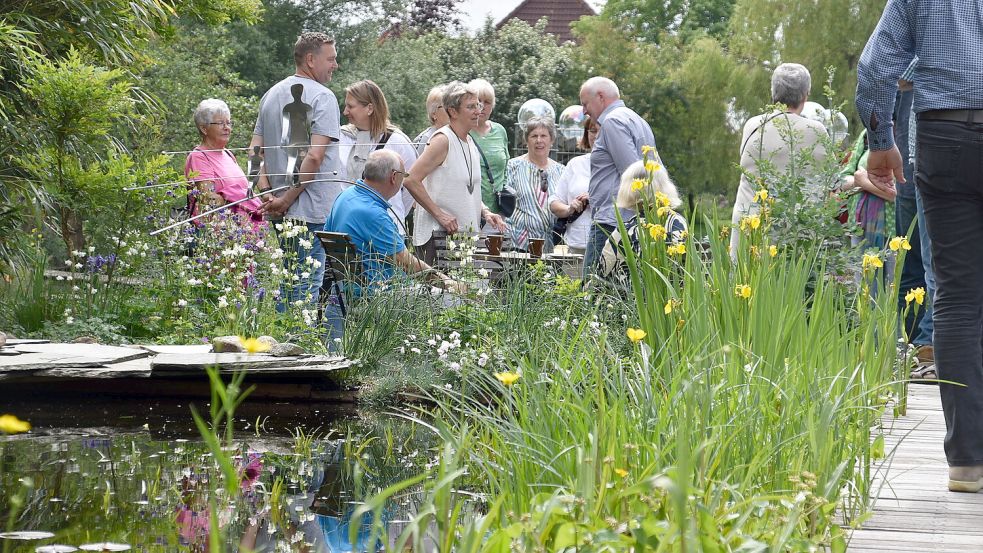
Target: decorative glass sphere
{"x": 571, "y": 122}
{"x": 836, "y": 123}
{"x": 533, "y": 108}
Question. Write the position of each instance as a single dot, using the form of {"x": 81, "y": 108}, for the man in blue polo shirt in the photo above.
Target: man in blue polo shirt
{"x": 361, "y": 212}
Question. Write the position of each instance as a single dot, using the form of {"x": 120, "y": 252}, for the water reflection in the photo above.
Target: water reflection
{"x": 149, "y": 494}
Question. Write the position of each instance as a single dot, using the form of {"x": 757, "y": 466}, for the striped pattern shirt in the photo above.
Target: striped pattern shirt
{"x": 532, "y": 217}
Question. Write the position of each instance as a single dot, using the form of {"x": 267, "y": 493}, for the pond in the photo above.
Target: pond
{"x": 137, "y": 476}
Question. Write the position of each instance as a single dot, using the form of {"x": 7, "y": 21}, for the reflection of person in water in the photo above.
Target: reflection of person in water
{"x": 193, "y": 516}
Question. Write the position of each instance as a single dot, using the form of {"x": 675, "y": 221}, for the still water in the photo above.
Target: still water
{"x": 136, "y": 476}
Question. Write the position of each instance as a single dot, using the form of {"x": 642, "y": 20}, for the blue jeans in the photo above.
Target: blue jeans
{"x": 599, "y": 234}
{"x": 926, "y": 326}
{"x": 312, "y": 283}
{"x": 333, "y": 322}
{"x": 949, "y": 176}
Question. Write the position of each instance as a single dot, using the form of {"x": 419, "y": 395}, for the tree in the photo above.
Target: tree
{"x": 427, "y": 16}
{"x": 76, "y": 105}
{"x": 655, "y": 20}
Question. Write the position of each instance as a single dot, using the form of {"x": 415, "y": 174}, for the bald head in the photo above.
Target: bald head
{"x": 596, "y": 94}
{"x": 384, "y": 172}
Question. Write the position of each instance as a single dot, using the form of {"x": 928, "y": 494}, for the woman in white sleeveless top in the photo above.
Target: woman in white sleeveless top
{"x": 446, "y": 180}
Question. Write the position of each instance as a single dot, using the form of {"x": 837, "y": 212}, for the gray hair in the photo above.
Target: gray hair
{"x": 595, "y": 85}
{"x": 379, "y": 165}
{"x": 540, "y": 122}
{"x": 434, "y": 99}
{"x": 790, "y": 84}
{"x": 208, "y": 109}
{"x": 455, "y": 92}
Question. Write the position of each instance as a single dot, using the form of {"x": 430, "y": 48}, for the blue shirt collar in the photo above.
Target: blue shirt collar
{"x": 371, "y": 193}
{"x": 604, "y": 114}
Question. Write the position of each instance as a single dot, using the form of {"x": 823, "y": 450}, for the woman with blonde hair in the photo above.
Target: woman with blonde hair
{"x": 645, "y": 188}
{"x": 369, "y": 129}
{"x": 435, "y": 114}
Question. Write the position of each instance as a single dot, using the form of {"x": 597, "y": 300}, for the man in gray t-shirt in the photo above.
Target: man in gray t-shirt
{"x": 308, "y": 204}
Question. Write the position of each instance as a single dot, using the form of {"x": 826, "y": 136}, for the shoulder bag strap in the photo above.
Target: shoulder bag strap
{"x": 756, "y": 129}
{"x": 484, "y": 163}
{"x": 383, "y": 141}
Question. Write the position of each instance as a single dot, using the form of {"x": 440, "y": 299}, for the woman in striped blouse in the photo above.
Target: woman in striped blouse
{"x": 533, "y": 177}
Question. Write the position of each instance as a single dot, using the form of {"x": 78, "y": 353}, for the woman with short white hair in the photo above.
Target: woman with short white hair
{"x": 493, "y": 145}
{"x": 213, "y": 168}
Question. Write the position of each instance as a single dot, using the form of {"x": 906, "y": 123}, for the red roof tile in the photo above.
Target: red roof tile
{"x": 559, "y": 15}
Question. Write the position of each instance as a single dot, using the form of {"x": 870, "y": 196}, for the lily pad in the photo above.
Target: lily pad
{"x": 56, "y": 549}
{"x": 107, "y": 546}
{"x": 27, "y": 535}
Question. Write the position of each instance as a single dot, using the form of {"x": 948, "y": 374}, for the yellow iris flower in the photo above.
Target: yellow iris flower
{"x": 743, "y": 291}
{"x": 636, "y": 335}
{"x": 872, "y": 260}
{"x": 253, "y": 345}
{"x": 761, "y": 195}
{"x": 657, "y": 232}
{"x": 899, "y": 243}
{"x": 676, "y": 249}
{"x": 638, "y": 184}
{"x": 915, "y": 294}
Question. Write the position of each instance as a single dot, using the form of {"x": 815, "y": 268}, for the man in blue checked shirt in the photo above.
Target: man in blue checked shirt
{"x": 946, "y": 36}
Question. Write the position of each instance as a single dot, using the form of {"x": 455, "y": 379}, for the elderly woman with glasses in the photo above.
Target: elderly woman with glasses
{"x": 446, "y": 180}
{"x": 533, "y": 178}
{"x": 213, "y": 169}
{"x": 435, "y": 114}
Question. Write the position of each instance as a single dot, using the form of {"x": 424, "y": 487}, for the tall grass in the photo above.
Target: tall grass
{"x": 741, "y": 421}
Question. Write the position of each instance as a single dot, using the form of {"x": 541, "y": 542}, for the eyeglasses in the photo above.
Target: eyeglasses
{"x": 398, "y": 172}
{"x": 544, "y": 184}
{"x": 478, "y": 106}
{"x": 223, "y": 123}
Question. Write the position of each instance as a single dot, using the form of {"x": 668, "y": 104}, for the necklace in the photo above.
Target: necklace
{"x": 468, "y": 162}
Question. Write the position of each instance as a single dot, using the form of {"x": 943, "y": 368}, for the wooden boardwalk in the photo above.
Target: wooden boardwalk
{"x": 914, "y": 511}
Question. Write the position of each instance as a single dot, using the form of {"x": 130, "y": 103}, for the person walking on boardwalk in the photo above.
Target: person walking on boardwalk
{"x": 945, "y": 35}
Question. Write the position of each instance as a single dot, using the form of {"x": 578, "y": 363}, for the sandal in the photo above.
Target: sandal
{"x": 925, "y": 373}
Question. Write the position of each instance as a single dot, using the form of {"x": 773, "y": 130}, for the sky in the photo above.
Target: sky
{"x": 474, "y": 12}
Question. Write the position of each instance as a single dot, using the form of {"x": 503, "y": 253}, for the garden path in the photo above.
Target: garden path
{"x": 914, "y": 511}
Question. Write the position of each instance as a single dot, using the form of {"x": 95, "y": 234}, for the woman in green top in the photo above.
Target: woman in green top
{"x": 492, "y": 142}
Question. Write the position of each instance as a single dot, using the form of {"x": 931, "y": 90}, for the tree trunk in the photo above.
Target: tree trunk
{"x": 71, "y": 229}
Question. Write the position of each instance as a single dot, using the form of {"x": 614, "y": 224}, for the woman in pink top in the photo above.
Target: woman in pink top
{"x": 217, "y": 176}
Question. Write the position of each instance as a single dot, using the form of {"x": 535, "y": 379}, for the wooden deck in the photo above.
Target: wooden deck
{"x": 914, "y": 511}
{"x": 40, "y": 369}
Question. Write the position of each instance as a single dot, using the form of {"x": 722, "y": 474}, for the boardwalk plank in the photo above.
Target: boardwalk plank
{"x": 913, "y": 511}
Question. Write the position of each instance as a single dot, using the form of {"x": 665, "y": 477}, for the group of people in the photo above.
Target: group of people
{"x": 451, "y": 177}
{"x": 365, "y": 178}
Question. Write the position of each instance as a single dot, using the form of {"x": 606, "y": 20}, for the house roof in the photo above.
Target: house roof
{"x": 559, "y": 15}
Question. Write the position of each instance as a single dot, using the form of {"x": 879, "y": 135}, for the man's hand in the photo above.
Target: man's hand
{"x": 455, "y": 287}
{"x": 497, "y": 222}
{"x": 448, "y": 221}
{"x": 884, "y": 167}
{"x": 273, "y": 206}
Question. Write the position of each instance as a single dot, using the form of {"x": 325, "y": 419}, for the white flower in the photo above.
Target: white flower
{"x": 415, "y": 350}
{"x": 182, "y": 303}
{"x": 68, "y": 262}
{"x": 306, "y": 244}
{"x": 222, "y": 302}
{"x": 75, "y": 288}
{"x": 78, "y": 265}
{"x": 305, "y": 275}
{"x": 277, "y": 254}
{"x": 59, "y": 277}
{"x": 193, "y": 282}
{"x": 315, "y": 263}
{"x": 69, "y": 320}
{"x": 483, "y": 360}
{"x": 92, "y": 249}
